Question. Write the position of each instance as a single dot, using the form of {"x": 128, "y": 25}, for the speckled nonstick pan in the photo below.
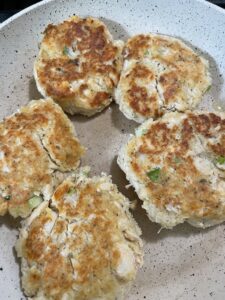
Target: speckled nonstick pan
{"x": 185, "y": 263}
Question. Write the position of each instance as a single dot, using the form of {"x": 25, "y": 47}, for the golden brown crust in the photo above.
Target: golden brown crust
{"x": 136, "y": 46}
{"x": 170, "y": 85}
{"x": 75, "y": 243}
{"x": 160, "y": 73}
{"x": 136, "y": 94}
{"x": 34, "y": 143}
{"x": 74, "y": 51}
{"x": 186, "y": 149}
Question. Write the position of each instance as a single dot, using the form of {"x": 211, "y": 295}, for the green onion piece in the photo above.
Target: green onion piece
{"x": 85, "y": 171}
{"x": 8, "y": 197}
{"x": 154, "y": 174}
{"x": 35, "y": 201}
{"x": 144, "y": 131}
{"x": 177, "y": 160}
{"x": 220, "y": 160}
{"x": 208, "y": 88}
{"x": 71, "y": 191}
{"x": 146, "y": 52}
{"x": 66, "y": 50}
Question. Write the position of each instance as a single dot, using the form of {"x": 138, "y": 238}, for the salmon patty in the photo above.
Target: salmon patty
{"x": 38, "y": 148}
{"x": 160, "y": 74}
{"x": 177, "y": 167}
{"x": 83, "y": 244}
{"x": 79, "y": 65}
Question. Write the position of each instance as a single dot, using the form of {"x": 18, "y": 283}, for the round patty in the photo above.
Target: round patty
{"x": 79, "y": 65}
{"x": 38, "y": 148}
{"x": 83, "y": 245}
{"x": 177, "y": 167}
{"x": 160, "y": 73}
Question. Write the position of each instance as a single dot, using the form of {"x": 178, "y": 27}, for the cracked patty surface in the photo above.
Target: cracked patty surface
{"x": 79, "y": 65}
{"x": 160, "y": 73}
{"x": 37, "y": 147}
{"x": 84, "y": 244}
{"x": 177, "y": 166}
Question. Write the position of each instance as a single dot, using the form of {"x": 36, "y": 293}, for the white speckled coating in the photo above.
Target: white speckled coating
{"x": 185, "y": 263}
